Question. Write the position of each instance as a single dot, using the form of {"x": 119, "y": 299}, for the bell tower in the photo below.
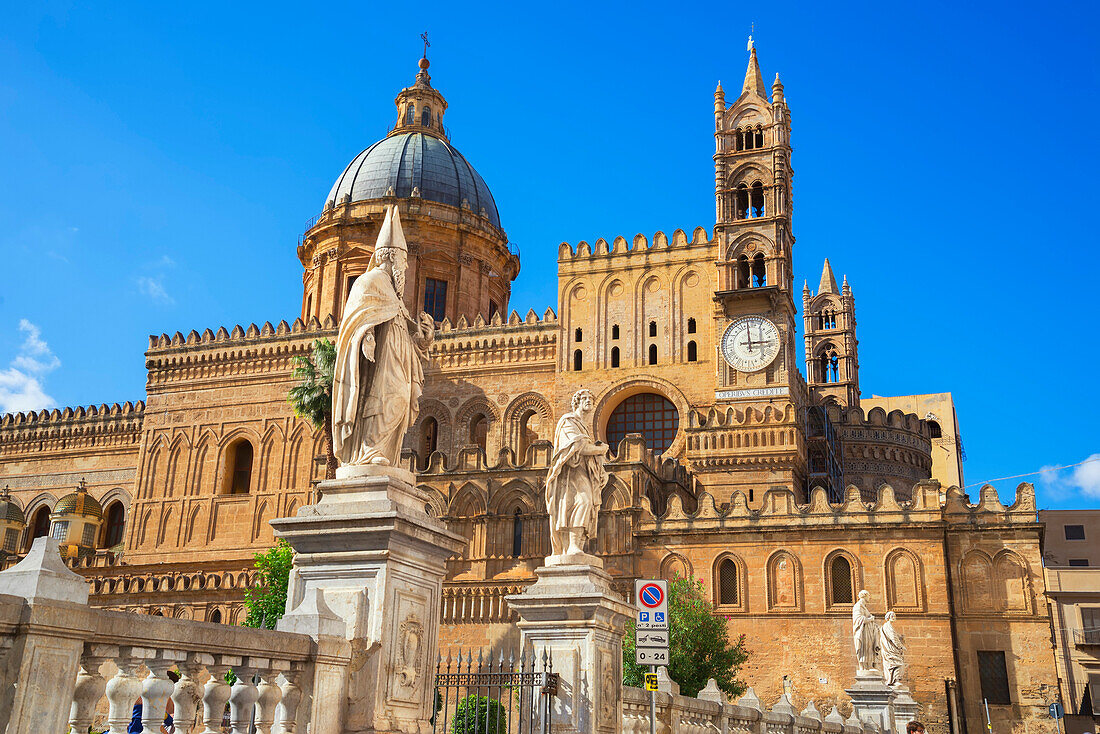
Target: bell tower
{"x": 753, "y": 438}
{"x": 832, "y": 356}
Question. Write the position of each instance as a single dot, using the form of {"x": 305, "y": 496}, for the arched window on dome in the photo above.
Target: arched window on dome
{"x": 426, "y": 116}
{"x": 410, "y": 114}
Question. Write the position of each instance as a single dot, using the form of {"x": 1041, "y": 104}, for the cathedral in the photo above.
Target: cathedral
{"x": 740, "y": 454}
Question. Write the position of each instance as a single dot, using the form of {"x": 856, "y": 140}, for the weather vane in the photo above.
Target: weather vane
{"x": 424, "y": 37}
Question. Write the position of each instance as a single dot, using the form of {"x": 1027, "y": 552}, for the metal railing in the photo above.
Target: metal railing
{"x": 487, "y": 696}
{"x": 1087, "y": 636}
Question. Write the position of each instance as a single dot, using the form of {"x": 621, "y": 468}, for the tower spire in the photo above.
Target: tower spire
{"x": 754, "y": 80}
{"x": 828, "y": 280}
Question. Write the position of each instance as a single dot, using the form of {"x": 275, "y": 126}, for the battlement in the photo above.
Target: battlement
{"x": 49, "y": 430}
{"x": 240, "y": 334}
{"x": 549, "y": 318}
{"x": 855, "y": 416}
{"x": 637, "y": 246}
{"x": 930, "y": 503}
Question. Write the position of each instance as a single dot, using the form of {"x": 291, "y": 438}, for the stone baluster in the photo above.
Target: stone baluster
{"x": 215, "y": 694}
{"x": 90, "y": 686}
{"x": 269, "y": 695}
{"x": 243, "y": 695}
{"x": 186, "y": 696}
{"x": 286, "y": 715}
{"x": 125, "y": 688}
{"x": 155, "y": 690}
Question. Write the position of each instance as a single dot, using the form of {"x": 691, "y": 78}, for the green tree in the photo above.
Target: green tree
{"x": 699, "y": 643}
{"x": 311, "y": 398}
{"x": 474, "y": 712}
{"x": 266, "y": 602}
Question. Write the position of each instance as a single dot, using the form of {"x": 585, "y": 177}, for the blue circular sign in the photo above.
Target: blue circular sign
{"x": 651, "y": 595}
{"x": 1056, "y": 711}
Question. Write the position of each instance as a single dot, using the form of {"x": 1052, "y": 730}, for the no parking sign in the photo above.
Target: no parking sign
{"x": 651, "y": 621}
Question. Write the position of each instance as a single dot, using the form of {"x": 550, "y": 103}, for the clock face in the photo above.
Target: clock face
{"x": 750, "y": 343}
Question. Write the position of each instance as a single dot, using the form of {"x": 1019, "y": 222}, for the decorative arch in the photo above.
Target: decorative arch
{"x": 784, "y": 582}
{"x": 1012, "y": 583}
{"x": 615, "y": 496}
{"x": 261, "y": 528}
{"x": 43, "y": 503}
{"x": 904, "y": 578}
{"x": 474, "y": 407}
{"x": 675, "y": 564}
{"x": 976, "y": 575}
{"x": 469, "y": 501}
{"x": 444, "y": 442}
{"x": 612, "y": 396}
{"x": 729, "y": 583}
{"x": 295, "y": 461}
{"x": 270, "y": 459}
{"x": 528, "y": 418}
{"x": 843, "y": 578}
{"x": 178, "y": 458}
{"x": 516, "y": 494}
{"x": 749, "y": 173}
{"x": 204, "y": 464}
{"x": 227, "y": 452}
{"x": 165, "y": 525}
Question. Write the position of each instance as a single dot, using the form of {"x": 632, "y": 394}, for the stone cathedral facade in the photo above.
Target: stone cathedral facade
{"x": 744, "y": 454}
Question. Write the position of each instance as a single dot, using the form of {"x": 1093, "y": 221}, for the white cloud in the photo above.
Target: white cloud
{"x": 21, "y": 384}
{"x": 1083, "y": 479}
{"x": 154, "y": 288}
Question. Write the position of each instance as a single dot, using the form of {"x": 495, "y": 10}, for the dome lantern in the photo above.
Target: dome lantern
{"x": 75, "y": 522}
{"x": 12, "y": 523}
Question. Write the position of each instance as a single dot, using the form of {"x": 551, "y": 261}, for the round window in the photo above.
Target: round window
{"x": 649, "y": 414}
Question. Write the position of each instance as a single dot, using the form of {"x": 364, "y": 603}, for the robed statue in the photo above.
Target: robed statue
{"x": 864, "y": 633}
{"x": 380, "y": 356}
{"x": 891, "y": 645}
{"x": 575, "y": 481}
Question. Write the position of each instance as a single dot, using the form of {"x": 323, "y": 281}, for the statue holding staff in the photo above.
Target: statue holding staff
{"x": 864, "y": 633}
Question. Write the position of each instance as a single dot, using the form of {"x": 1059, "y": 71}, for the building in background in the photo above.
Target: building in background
{"x": 1071, "y": 564}
{"x": 784, "y": 492}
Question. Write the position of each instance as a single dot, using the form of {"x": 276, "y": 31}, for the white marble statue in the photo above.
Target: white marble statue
{"x": 380, "y": 356}
{"x": 864, "y": 633}
{"x": 575, "y": 481}
{"x": 891, "y": 645}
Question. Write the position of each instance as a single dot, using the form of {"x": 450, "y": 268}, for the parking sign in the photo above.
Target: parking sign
{"x": 651, "y": 621}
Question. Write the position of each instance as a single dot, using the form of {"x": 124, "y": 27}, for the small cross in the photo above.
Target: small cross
{"x": 424, "y": 37}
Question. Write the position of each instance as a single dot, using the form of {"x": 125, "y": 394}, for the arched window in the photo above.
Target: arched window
{"x": 429, "y": 438}
{"x": 758, "y": 138}
{"x": 757, "y": 199}
{"x": 653, "y": 328}
{"x": 479, "y": 430}
{"x": 840, "y": 581}
{"x": 614, "y": 356}
{"x": 527, "y": 435}
{"x": 759, "y": 271}
{"x": 649, "y": 414}
{"x": 693, "y": 352}
{"x": 40, "y": 525}
{"x": 741, "y": 202}
{"x": 238, "y": 478}
{"x": 834, "y": 368}
{"x": 614, "y": 331}
{"x": 426, "y": 117}
{"x": 216, "y": 616}
{"x": 517, "y": 534}
{"x": 577, "y": 360}
{"x": 823, "y": 368}
{"x": 653, "y": 354}
{"x": 744, "y": 272}
{"x": 691, "y": 326}
{"x": 578, "y": 335}
{"x": 112, "y": 528}
{"x": 728, "y": 583}
{"x": 934, "y": 429}
{"x": 739, "y": 140}
{"x": 410, "y": 114}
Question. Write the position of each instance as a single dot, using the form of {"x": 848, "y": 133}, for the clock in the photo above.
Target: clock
{"x": 750, "y": 343}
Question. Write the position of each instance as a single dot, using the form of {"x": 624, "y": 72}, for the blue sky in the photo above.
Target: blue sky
{"x": 158, "y": 161}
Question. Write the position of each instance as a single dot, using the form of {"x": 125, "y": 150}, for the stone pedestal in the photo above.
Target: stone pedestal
{"x": 873, "y": 699}
{"x": 379, "y": 559}
{"x": 572, "y": 614}
{"x": 905, "y": 708}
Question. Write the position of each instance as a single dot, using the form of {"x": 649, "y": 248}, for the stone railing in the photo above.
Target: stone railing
{"x": 709, "y": 714}
{"x": 59, "y": 659}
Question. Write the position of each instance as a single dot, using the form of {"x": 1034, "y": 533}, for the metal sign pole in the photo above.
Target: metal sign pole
{"x": 653, "y": 705}
{"x": 988, "y": 723}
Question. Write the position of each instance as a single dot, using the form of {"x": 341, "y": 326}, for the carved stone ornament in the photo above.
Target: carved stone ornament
{"x": 412, "y": 641}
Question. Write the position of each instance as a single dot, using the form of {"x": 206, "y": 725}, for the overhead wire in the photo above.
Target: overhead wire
{"x": 1033, "y": 473}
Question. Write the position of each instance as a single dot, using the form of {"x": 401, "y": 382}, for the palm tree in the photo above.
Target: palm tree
{"x": 311, "y": 398}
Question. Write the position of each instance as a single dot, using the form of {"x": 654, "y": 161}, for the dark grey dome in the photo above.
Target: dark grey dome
{"x": 415, "y": 160}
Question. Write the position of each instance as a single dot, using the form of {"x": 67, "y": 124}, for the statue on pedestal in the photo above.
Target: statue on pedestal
{"x": 575, "y": 481}
{"x": 380, "y": 356}
{"x": 891, "y": 644}
{"x": 864, "y": 633}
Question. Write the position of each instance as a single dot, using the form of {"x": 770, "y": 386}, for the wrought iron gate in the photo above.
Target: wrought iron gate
{"x": 480, "y": 695}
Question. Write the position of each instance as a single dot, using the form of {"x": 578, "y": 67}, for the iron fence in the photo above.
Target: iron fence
{"x": 487, "y": 695}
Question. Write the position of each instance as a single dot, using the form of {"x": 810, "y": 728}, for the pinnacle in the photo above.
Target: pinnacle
{"x": 754, "y": 81}
{"x": 828, "y": 280}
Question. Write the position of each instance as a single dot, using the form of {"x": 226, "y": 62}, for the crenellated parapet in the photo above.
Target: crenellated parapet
{"x": 779, "y": 510}
{"x": 880, "y": 447}
{"x": 71, "y": 428}
{"x": 496, "y": 342}
{"x": 637, "y": 247}
{"x": 241, "y": 351}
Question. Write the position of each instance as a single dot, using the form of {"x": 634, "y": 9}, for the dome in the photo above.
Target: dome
{"x": 408, "y": 160}
{"x": 79, "y": 503}
{"x": 9, "y": 511}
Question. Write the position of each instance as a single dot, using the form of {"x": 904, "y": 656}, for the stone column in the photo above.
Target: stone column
{"x": 905, "y": 708}
{"x": 873, "y": 699}
{"x": 379, "y": 560}
{"x": 571, "y": 613}
{"x": 45, "y": 654}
